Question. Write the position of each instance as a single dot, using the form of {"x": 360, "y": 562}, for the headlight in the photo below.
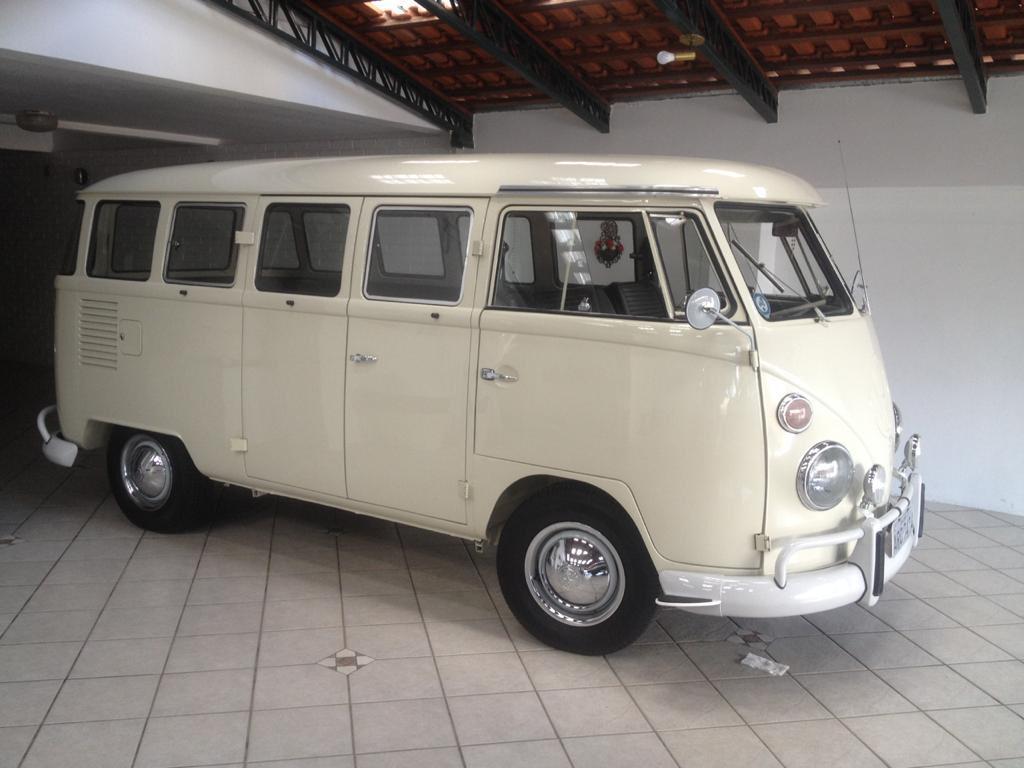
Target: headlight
{"x": 794, "y": 413}
{"x": 874, "y": 487}
{"x": 898, "y": 419}
{"x": 824, "y": 476}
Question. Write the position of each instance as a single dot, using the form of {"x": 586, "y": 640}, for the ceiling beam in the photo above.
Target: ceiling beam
{"x": 492, "y": 29}
{"x": 962, "y": 33}
{"x": 295, "y": 23}
{"x": 725, "y": 52}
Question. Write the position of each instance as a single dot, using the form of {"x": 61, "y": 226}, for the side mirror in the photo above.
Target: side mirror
{"x": 703, "y": 308}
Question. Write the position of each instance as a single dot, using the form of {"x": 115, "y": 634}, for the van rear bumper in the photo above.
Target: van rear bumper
{"x": 860, "y": 579}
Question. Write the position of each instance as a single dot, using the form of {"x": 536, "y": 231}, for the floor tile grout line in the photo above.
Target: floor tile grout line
{"x": 170, "y": 648}
{"x": 259, "y": 638}
{"x": 81, "y": 648}
{"x": 430, "y": 645}
{"x": 526, "y": 669}
{"x": 344, "y": 641}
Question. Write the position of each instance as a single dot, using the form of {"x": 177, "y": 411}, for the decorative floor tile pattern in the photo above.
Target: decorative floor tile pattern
{"x": 291, "y": 634}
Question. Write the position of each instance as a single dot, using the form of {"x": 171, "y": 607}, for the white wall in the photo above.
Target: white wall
{"x": 937, "y": 196}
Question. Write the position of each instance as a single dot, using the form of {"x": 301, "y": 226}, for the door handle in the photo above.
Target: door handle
{"x": 489, "y": 374}
{"x": 359, "y": 357}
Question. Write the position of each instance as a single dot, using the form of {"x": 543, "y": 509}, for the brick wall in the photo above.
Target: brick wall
{"x": 37, "y": 194}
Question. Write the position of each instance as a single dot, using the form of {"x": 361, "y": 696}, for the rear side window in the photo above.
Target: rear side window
{"x": 301, "y": 249}
{"x": 123, "y": 235}
{"x": 418, "y": 254}
{"x": 202, "y": 248}
{"x": 70, "y": 261}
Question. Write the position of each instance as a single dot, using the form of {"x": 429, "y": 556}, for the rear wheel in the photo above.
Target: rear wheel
{"x": 576, "y": 573}
{"x": 155, "y": 482}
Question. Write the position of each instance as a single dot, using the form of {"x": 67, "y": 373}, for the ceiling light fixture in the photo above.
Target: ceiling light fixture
{"x": 690, "y": 41}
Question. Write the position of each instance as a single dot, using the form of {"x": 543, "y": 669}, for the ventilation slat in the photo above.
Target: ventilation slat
{"x": 97, "y": 333}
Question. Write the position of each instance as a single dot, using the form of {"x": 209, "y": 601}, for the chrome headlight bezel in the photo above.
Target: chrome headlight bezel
{"x": 824, "y": 451}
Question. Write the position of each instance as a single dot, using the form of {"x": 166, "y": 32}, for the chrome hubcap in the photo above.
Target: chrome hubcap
{"x": 146, "y": 472}
{"x": 574, "y": 574}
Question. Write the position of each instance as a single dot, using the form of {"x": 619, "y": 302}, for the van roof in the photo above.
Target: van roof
{"x": 465, "y": 175}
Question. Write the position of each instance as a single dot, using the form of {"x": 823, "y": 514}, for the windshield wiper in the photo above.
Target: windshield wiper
{"x": 760, "y": 267}
{"x": 804, "y": 306}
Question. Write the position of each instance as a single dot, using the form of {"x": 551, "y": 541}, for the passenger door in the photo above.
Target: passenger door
{"x": 293, "y": 348}
{"x": 409, "y": 356}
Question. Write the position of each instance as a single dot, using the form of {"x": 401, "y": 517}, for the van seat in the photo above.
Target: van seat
{"x": 638, "y": 299}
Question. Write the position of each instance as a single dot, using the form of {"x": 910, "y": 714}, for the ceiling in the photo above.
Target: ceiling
{"x": 612, "y": 46}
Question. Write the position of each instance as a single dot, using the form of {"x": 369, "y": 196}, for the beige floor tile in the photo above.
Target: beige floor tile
{"x": 440, "y": 757}
{"x": 362, "y": 583}
{"x": 946, "y": 559}
{"x": 686, "y": 627}
{"x": 130, "y": 623}
{"x": 726, "y": 747}
{"x": 12, "y": 599}
{"x": 557, "y": 670}
{"x": 956, "y": 645}
{"x": 299, "y": 646}
{"x": 302, "y": 586}
{"x": 911, "y": 614}
{"x": 997, "y": 557}
{"x": 69, "y": 597}
{"x": 517, "y": 754}
{"x": 594, "y": 712}
{"x": 935, "y": 688}
{"x": 279, "y": 734}
{"x": 85, "y": 745}
{"x": 26, "y": 703}
{"x": 848, "y": 694}
{"x": 242, "y": 589}
{"x": 994, "y": 733}
{"x": 161, "y": 568}
{"x": 683, "y": 705}
{"x": 975, "y": 611}
{"x": 639, "y": 664}
{"x": 218, "y": 566}
{"x": 316, "y": 613}
{"x": 882, "y": 650}
{"x": 846, "y": 620}
{"x": 104, "y": 698}
{"x": 86, "y": 549}
{"x": 925, "y": 585}
{"x": 816, "y": 744}
{"x": 499, "y": 717}
{"x": 146, "y": 594}
{"x": 1002, "y": 679}
{"x": 13, "y": 744}
{"x": 424, "y": 557}
{"x": 630, "y": 750}
{"x": 988, "y": 582}
{"x": 210, "y": 652}
{"x": 230, "y": 618}
{"x": 961, "y": 538}
{"x": 108, "y": 658}
{"x": 721, "y": 660}
{"x": 308, "y": 685}
{"x": 16, "y": 574}
{"x": 452, "y": 578}
{"x": 400, "y": 725}
{"x": 52, "y": 627}
{"x": 1014, "y": 603}
{"x": 389, "y": 641}
{"x": 202, "y": 693}
{"x": 457, "y": 606}
{"x": 908, "y": 740}
{"x": 812, "y": 654}
{"x": 469, "y": 674}
{"x": 372, "y": 557}
{"x": 1008, "y": 638}
{"x": 787, "y": 626}
{"x": 453, "y": 637}
{"x": 389, "y": 609}
{"x": 771, "y": 700}
{"x": 170, "y": 742}
{"x": 393, "y": 679}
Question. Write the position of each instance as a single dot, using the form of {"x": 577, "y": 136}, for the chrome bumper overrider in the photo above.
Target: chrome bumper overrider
{"x": 859, "y": 579}
{"x": 55, "y": 448}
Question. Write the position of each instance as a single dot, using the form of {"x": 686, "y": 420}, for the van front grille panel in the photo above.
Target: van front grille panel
{"x": 97, "y": 333}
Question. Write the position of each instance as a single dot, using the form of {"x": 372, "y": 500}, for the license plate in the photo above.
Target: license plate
{"x": 900, "y": 532}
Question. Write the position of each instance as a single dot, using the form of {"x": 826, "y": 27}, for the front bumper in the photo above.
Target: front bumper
{"x": 860, "y": 579}
{"x": 55, "y": 447}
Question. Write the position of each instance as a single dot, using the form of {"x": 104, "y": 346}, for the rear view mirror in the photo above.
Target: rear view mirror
{"x": 786, "y": 228}
{"x": 703, "y": 308}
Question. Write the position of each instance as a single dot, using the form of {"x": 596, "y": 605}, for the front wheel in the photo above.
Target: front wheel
{"x": 575, "y": 572}
{"x": 155, "y": 482}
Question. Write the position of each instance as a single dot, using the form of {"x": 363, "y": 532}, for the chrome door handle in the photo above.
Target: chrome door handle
{"x": 489, "y": 374}
{"x": 359, "y": 357}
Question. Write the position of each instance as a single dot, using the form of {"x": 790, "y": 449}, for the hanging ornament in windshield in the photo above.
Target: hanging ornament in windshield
{"x": 608, "y": 248}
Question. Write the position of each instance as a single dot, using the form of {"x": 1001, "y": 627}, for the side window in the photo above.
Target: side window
{"x": 123, "y": 235}
{"x": 418, "y": 254}
{"x": 578, "y": 261}
{"x": 686, "y": 257}
{"x": 302, "y": 248}
{"x": 70, "y": 261}
{"x": 202, "y": 248}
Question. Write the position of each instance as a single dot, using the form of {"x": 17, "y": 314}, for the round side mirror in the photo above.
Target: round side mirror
{"x": 702, "y": 308}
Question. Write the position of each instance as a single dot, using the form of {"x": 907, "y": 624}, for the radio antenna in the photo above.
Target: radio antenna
{"x": 853, "y": 223}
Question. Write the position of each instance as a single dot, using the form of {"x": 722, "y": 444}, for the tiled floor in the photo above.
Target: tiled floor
{"x": 221, "y": 648}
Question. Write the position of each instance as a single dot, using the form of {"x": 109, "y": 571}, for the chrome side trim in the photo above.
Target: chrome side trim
{"x": 534, "y": 189}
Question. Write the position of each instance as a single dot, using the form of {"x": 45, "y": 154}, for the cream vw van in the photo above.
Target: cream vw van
{"x": 643, "y": 378}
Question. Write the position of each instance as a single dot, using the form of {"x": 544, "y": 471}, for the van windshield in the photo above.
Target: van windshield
{"x": 783, "y": 263}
